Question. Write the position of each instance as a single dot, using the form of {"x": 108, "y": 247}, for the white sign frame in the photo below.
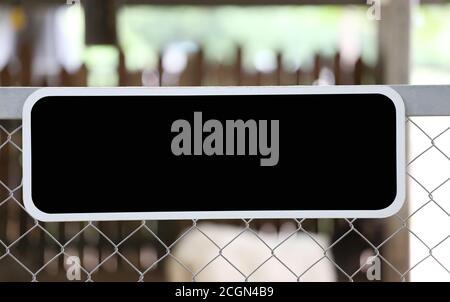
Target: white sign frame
{"x": 161, "y": 91}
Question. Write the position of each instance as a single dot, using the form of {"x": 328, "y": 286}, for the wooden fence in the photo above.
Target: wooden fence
{"x": 199, "y": 72}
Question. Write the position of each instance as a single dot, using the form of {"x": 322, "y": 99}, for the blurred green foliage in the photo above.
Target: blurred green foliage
{"x": 431, "y": 36}
{"x": 296, "y": 31}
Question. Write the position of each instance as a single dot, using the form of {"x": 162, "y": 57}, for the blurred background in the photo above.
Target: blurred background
{"x": 144, "y": 43}
{"x": 227, "y": 42}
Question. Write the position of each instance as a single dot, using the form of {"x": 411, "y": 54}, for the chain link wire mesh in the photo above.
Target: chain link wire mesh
{"x": 414, "y": 240}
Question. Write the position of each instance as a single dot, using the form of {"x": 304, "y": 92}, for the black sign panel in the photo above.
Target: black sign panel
{"x": 119, "y": 154}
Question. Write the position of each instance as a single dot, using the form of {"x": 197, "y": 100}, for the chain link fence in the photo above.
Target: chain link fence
{"x": 412, "y": 245}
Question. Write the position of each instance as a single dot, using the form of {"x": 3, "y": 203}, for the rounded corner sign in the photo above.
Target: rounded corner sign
{"x": 206, "y": 153}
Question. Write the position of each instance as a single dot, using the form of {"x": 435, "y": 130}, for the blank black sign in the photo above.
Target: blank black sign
{"x": 109, "y": 156}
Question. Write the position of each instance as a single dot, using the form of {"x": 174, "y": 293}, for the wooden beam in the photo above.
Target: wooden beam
{"x": 204, "y": 3}
{"x": 244, "y": 2}
{"x": 219, "y": 2}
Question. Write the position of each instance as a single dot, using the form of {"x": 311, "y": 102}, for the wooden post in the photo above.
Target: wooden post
{"x": 317, "y": 66}
{"x": 199, "y": 61}
{"x": 394, "y": 34}
{"x": 122, "y": 69}
{"x": 394, "y": 50}
{"x": 100, "y": 18}
{"x": 279, "y": 70}
{"x": 337, "y": 70}
{"x": 160, "y": 69}
{"x": 238, "y": 66}
{"x": 5, "y": 76}
{"x": 25, "y": 57}
{"x": 78, "y": 78}
{"x": 358, "y": 71}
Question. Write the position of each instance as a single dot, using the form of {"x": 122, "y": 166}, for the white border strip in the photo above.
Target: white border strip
{"x": 44, "y": 92}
